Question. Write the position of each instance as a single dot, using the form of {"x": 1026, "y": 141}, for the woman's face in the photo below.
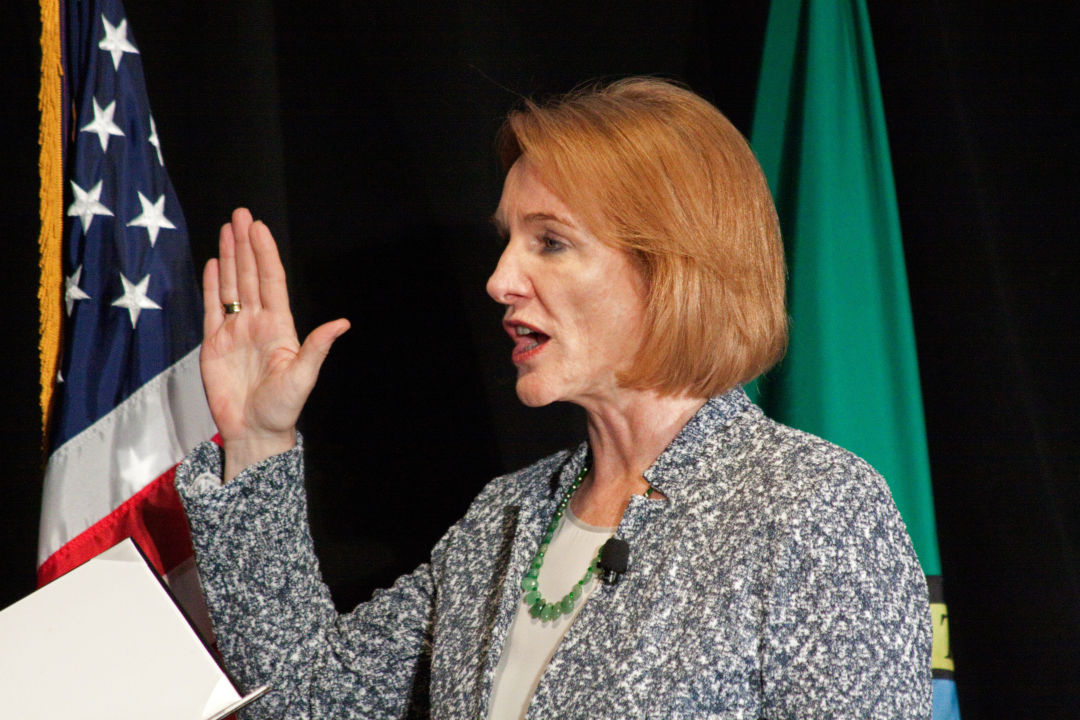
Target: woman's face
{"x": 574, "y": 306}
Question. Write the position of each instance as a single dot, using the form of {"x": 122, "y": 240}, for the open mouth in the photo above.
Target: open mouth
{"x": 527, "y": 341}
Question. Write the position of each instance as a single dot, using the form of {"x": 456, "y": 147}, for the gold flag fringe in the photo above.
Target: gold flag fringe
{"x": 51, "y": 196}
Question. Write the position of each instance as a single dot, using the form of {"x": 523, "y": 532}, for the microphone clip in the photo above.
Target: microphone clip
{"x": 614, "y": 557}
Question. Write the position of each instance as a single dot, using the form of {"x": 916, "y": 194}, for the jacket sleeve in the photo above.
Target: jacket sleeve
{"x": 273, "y": 617}
{"x": 847, "y": 628}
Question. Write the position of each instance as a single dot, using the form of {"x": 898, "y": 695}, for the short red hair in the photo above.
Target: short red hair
{"x": 655, "y": 170}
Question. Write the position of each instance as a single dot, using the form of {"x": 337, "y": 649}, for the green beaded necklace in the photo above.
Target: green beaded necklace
{"x": 538, "y": 606}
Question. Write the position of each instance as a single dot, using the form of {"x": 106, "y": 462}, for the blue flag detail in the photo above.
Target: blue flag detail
{"x": 131, "y": 296}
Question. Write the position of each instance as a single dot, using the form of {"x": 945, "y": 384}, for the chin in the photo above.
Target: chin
{"x": 532, "y": 393}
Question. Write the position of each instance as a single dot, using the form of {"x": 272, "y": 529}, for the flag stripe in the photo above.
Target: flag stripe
{"x": 153, "y": 517}
{"x": 102, "y": 467}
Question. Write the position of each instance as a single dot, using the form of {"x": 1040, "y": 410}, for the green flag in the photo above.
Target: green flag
{"x": 851, "y": 372}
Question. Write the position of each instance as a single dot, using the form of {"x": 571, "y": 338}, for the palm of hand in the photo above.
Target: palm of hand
{"x": 256, "y": 373}
{"x": 257, "y": 351}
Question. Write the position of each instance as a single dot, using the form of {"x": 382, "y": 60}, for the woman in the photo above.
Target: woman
{"x": 769, "y": 574}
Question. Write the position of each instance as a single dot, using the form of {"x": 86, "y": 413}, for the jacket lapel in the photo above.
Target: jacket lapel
{"x": 535, "y": 512}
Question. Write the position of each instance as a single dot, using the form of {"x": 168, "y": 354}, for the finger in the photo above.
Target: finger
{"x": 212, "y": 315}
{"x": 247, "y": 274}
{"x": 273, "y": 290}
{"x": 226, "y": 265}
{"x": 317, "y": 346}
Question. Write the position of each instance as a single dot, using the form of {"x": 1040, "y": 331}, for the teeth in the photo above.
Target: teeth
{"x": 522, "y": 330}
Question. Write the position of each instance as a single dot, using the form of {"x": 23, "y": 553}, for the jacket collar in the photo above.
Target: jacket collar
{"x": 680, "y": 456}
{"x": 684, "y": 452}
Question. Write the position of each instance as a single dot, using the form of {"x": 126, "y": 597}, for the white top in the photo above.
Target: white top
{"x": 531, "y": 642}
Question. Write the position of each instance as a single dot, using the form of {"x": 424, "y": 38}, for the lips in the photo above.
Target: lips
{"x": 528, "y": 341}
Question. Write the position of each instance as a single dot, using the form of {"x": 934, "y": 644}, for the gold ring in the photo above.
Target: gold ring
{"x": 231, "y": 308}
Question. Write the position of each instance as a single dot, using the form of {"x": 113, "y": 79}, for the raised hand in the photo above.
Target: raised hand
{"x": 256, "y": 373}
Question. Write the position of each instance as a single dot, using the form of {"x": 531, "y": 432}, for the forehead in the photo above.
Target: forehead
{"x": 526, "y": 198}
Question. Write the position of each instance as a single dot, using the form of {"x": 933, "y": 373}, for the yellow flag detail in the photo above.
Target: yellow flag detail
{"x": 941, "y": 656}
{"x": 51, "y": 196}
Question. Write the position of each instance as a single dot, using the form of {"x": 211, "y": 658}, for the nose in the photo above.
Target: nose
{"x": 508, "y": 282}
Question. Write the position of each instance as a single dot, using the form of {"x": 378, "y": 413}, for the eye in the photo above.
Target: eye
{"x": 551, "y": 243}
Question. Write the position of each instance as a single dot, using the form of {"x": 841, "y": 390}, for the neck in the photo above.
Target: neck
{"x": 626, "y": 436}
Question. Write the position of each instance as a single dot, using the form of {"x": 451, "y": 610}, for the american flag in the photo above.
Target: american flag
{"x": 129, "y": 402}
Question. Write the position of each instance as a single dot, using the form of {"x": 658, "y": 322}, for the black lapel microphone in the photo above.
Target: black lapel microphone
{"x": 614, "y": 556}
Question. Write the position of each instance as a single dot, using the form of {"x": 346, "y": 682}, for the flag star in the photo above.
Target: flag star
{"x": 152, "y": 217}
{"x": 135, "y": 470}
{"x": 116, "y": 42}
{"x": 102, "y": 125}
{"x": 156, "y": 141}
{"x": 87, "y": 205}
{"x": 72, "y": 291}
{"x": 135, "y": 299}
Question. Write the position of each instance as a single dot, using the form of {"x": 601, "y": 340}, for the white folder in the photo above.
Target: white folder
{"x": 106, "y": 640}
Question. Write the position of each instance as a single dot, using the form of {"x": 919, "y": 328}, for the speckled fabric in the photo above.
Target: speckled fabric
{"x": 775, "y": 581}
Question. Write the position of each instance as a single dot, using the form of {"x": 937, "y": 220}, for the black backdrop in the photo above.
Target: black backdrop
{"x": 361, "y": 132}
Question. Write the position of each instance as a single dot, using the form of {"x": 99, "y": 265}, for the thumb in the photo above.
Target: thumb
{"x": 317, "y": 346}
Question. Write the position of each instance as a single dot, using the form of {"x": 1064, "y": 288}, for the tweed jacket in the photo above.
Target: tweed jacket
{"x": 776, "y": 580}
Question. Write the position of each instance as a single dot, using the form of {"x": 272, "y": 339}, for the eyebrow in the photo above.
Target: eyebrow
{"x": 533, "y": 217}
{"x": 500, "y": 224}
